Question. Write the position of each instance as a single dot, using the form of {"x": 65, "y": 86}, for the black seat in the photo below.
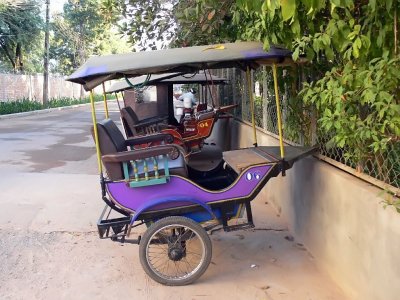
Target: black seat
{"x": 133, "y": 126}
{"x": 115, "y": 150}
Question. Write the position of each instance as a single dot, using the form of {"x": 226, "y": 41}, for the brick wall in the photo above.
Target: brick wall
{"x": 15, "y": 86}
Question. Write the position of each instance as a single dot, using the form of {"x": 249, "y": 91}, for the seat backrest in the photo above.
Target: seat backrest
{"x": 204, "y": 115}
{"x": 111, "y": 141}
{"x": 130, "y": 119}
{"x": 202, "y": 106}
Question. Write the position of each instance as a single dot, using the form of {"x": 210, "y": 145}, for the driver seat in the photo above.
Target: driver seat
{"x": 115, "y": 150}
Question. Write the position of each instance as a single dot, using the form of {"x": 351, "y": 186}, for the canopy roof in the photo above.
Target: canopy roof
{"x": 166, "y": 78}
{"x": 183, "y": 60}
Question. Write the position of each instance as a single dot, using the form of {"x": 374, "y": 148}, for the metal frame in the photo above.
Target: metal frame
{"x": 119, "y": 228}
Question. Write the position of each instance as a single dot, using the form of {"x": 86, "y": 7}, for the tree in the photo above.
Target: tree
{"x": 158, "y": 24}
{"x": 84, "y": 28}
{"x": 148, "y": 24}
{"x": 20, "y": 26}
{"x": 75, "y": 31}
{"x": 353, "y": 47}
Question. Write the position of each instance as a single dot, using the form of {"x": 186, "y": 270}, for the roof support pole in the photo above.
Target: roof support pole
{"x": 105, "y": 100}
{"x": 123, "y": 97}
{"x": 278, "y": 110}
{"x": 253, "y": 118}
{"x": 120, "y": 115}
{"x": 96, "y": 135}
{"x": 116, "y": 97}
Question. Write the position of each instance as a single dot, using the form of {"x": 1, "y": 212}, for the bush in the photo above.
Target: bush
{"x": 25, "y": 104}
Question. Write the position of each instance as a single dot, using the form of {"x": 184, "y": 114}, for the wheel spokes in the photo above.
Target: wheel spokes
{"x": 177, "y": 238}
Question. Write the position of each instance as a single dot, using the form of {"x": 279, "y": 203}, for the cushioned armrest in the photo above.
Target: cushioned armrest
{"x": 138, "y": 154}
{"x": 146, "y": 123}
{"x": 166, "y": 126}
{"x": 160, "y": 119}
{"x": 144, "y": 139}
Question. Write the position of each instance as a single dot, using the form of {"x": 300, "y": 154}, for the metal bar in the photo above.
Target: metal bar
{"x": 123, "y": 98}
{"x": 249, "y": 212}
{"x": 253, "y": 118}
{"x": 116, "y": 97}
{"x": 96, "y": 135}
{"x": 105, "y": 100}
{"x": 278, "y": 110}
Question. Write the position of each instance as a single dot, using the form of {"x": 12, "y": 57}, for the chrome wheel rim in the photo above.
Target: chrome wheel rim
{"x": 175, "y": 252}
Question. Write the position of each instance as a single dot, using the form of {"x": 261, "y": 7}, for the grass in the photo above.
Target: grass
{"x": 25, "y": 104}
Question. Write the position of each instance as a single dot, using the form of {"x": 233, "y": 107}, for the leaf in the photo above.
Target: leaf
{"x": 216, "y": 47}
{"x": 358, "y": 43}
{"x": 310, "y": 54}
{"x": 296, "y": 27}
{"x": 211, "y": 15}
{"x": 266, "y": 44}
{"x": 296, "y": 54}
{"x": 389, "y": 5}
{"x": 329, "y": 53}
{"x": 326, "y": 40}
{"x": 288, "y": 9}
{"x": 372, "y": 4}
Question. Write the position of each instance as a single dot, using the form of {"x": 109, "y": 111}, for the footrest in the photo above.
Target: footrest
{"x": 109, "y": 228}
{"x": 239, "y": 227}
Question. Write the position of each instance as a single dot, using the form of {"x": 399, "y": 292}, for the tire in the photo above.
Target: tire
{"x": 174, "y": 243}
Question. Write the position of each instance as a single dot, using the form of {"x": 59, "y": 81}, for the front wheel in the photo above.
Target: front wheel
{"x": 175, "y": 251}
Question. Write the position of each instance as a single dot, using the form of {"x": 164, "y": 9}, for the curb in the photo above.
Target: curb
{"x": 44, "y": 111}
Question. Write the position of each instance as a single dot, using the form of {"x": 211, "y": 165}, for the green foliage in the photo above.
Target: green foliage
{"x": 158, "y": 24}
{"x": 84, "y": 28}
{"x": 25, "y": 105}
{"x": 356, "y": 105}
{"x": 148, "y": 24}
{"x": 19, "y": 106}
{"x": 204, "y": 22}
{"x": 20, "y": 36}
{"x": 353, "y": 65}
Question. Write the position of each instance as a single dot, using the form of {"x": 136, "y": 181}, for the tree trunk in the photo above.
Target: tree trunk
{"x": 8, "y": 54}
{"x": 18, "y": 58}
{"x": 46, "y": 57}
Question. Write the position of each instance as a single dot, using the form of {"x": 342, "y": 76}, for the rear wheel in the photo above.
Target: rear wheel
{"x": 175, "y": 251}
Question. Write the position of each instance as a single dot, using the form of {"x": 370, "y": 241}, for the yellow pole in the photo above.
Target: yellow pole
{"x": 105, "y": 100}
{"x": 253, "y": 119}
{"x": 96, "y": 135}
{"x": 278, "y": 110}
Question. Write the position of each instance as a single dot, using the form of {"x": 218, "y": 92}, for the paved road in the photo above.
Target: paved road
{"x": 49, "y": 249}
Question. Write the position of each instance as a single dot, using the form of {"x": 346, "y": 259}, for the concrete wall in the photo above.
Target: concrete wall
{"x": 341, "y": 221}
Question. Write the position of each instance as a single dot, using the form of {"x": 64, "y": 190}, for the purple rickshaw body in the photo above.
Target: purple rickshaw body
{"x": 180, "y": 188}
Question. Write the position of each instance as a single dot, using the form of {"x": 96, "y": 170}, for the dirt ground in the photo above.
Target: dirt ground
{"x": 49, "y": 247}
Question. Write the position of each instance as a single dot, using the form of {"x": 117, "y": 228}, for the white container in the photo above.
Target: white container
{"x": 179, "y": 111}
{"x": 187, "y": 103}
